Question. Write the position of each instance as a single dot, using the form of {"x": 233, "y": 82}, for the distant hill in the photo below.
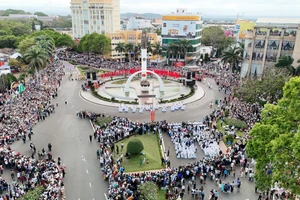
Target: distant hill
{"x": 145, "y": 15}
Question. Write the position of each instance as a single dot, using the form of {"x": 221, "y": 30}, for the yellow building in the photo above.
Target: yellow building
{"x": 126, "y": 36}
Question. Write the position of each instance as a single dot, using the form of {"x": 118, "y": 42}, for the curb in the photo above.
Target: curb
{"x": 115, "y": 106}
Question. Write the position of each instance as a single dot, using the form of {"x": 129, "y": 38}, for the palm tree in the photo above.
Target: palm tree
{"x": 157, "y": 50}
{"x": 120, "y": 48}
{"x": 129, "y": 48}
{"x": 173, "y": 49}
{"x": 286, "y": 62}
{"x": 184, "y": 47}
{"x": 137, "y": 50}
{"x": 47, "y": 46}
{"x": 37, "y": 59}
{"x": 3, "y": 82}
{"x": 231, "y": 55}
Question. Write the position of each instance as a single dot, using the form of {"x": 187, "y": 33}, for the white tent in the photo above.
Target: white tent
{"x": 16, "y": 55}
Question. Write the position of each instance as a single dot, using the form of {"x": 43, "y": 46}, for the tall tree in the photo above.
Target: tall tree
{"x": 184, "y": 46}
{"x": 232, "y": 55}
{"x": 137, "y": 51}
{"x": 285, "y": 62}
{"x": 275, "y": 143}
{"x": 157, "y": 50}
{"x": 129, "y": 48}
{"x": 120, "y": 48}
{"x": 173, "y": 51}
{"x": 26, "y": 44}
{"x": 213, "y": 36}
{"x": 37, "y": 59}
{"x": 65, "y": 41}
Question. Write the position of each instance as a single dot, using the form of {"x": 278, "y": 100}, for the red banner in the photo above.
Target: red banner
{"x": 152, "y": 116}
{"x": 132, "y": 71}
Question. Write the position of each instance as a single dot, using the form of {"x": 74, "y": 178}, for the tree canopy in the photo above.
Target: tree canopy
{"x": 285, "y": 62}
{"x": 275, "y": 143}
{"x": 94, "y": 43}
{"x": 213, "y": 36}
{"x": 269, "y": 88}
{"x": 40, "y": 14}
{"x": 11, "y": 11}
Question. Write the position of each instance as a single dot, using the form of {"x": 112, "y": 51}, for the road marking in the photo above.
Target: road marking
{"x": 105, "y": 196}
{"x": 87, "y": 171}
{"x": 90, "y": 184}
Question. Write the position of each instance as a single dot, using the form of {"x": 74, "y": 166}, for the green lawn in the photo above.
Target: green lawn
{"x": 161, "y": 194}
{"x": 220, "y": 128}
{"x": 151, "y": 152}
{"x": 103, "y": 120}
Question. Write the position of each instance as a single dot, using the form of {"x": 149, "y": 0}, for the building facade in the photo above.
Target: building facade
{"x": 270, "y": 39}
{"x": 182, "y": 25}
{"x": 138, "y": 23}
{"x": 124, "y": 36}
{"x": 100, "y": 16}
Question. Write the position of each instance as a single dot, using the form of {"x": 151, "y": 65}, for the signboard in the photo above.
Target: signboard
{"x": 179, "y": 28}
{"x": 243, "y": 27}
{"x": 152, "y": 116}
{"x": 180, "y": 18}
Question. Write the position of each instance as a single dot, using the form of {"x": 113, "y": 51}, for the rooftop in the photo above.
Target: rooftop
{"x": 278, "y": 21}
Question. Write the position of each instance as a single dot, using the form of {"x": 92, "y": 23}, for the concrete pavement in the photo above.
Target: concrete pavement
{"x": 69, "y": 137}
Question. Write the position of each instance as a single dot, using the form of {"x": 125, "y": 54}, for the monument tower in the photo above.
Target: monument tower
{"x": 144, "y": 83}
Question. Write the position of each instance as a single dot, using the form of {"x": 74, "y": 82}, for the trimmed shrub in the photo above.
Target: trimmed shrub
{"x": 236, "y": 123}
{"x": 135, "y": 146}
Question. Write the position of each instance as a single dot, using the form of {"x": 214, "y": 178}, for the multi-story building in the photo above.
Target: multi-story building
{"x": 100, "y": 16}
{"x": 138, "y": 23}
{"x": 133, "y": 37}
{"x": 182, "y": 25}
{"x": 270, "y": 39}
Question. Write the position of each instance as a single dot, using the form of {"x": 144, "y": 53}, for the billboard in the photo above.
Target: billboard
{"x": 243, "y": 27}
{"x": 179, "y": 28}
{"x": 180, "y": 18}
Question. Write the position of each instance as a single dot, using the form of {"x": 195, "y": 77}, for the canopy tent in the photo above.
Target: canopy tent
{"x": 15, "y": 55}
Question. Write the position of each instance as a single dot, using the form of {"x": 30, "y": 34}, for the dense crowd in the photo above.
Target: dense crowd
{"x": 18, "y": 114}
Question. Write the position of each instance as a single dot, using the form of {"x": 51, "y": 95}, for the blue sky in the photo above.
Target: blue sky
{"x": 279, "y": 8}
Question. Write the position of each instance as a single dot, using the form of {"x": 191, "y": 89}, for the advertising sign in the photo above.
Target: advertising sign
{"x": 181, "y": 18}
{"x": 179, "y": 28}
{"x": 243, "y": 27}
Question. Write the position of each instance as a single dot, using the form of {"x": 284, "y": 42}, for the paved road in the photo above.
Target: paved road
{"x": 69, "y": 137}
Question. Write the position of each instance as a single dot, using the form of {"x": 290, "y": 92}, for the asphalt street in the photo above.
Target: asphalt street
{"x": 69, "y": 136}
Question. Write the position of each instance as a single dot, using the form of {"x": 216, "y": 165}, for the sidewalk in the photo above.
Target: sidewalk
{"x": 199, "y": 94}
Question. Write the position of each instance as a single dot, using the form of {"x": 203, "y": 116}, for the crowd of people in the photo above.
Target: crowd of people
{"x": 19, "y": 112}
{"x": 179, "y": 181}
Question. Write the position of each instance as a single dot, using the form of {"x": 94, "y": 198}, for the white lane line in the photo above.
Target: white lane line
{"x": 105, "y": 196}
{"x": 87, "y": 171}
{"x": 90, "y": 184}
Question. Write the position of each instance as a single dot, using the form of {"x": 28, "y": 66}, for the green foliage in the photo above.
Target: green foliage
{"x": 64, "y": 40}
{"x": 14, "y": 63}
{"x": 213, "y": 36}
{"x": 149, "y": 191}
{"x": 135, "y": 146}
{"x": 229, "y": 138}
{"x": 62, "y": 22}
{"x": 269, "y": 88}
{"x": 6, "y": 80}
{"x": 232, "y": 55}
{"x": 101, "y": 121}
{"x": 95, "y": 43}
{"x": 26, "y": 44}
{"x": 33, "y": 194}
{"x": 236, "y": 123}
{"x": 11, "y": 11}
{"x": 40, "y": 14}
{"x": 8, "y": 41}
{"x": 285, "y": 62}
{"x": 275, "y": 143}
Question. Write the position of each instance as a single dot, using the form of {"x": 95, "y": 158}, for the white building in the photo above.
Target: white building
{"x": 101, "y": 16}
{"x": 138, "y": 23}
{"x": 182, "y": 25}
